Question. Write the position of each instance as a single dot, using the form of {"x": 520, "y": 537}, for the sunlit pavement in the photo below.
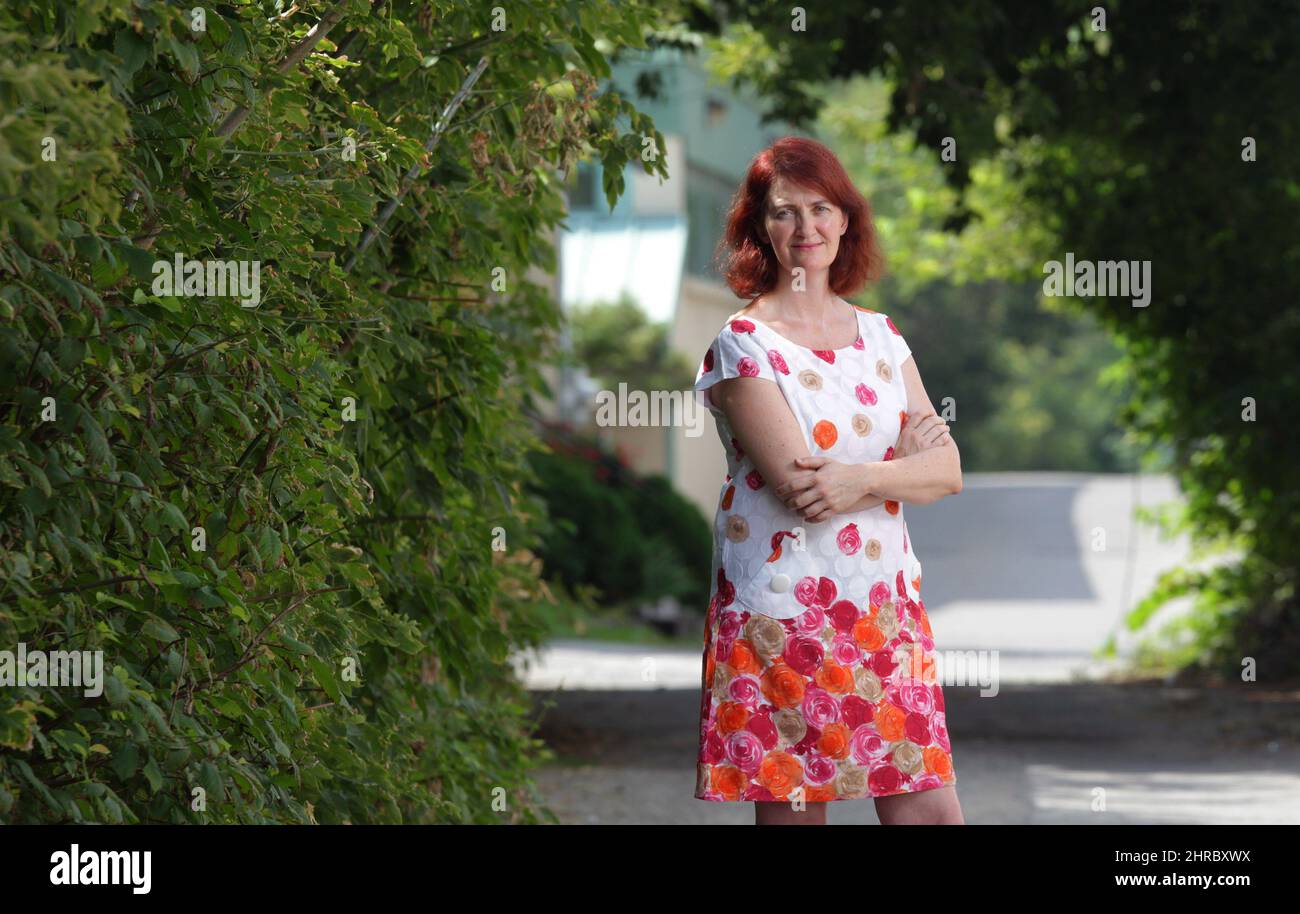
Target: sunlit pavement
{"x": 1031, "y": 571}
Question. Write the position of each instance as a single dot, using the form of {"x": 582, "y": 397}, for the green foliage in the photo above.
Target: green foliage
{"x": 351, "y": 448}
{"x": 617, "y": 342}
{"x": 633, "y": 538}
{"x": 1127, "y": 143}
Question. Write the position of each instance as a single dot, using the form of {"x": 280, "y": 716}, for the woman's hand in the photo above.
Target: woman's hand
{"x": 922, "y": 432}
{"x": 825, "y": 488}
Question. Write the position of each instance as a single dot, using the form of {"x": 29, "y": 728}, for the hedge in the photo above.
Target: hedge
{"x": 294, "y": 524}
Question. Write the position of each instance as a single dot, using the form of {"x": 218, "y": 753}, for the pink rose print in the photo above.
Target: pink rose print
{"x": 761, "y": 726}
{"x": 939, "y": 725}
{"x": 826, "y": 355}
{"x": 902, "y": 587}
{"x": 778, "y": 361}
{"x": 826, "y": 591}
{"x": 848, "y": 540}
{"x": 747, "y": 690}
{"x": 708, "y": 360}
{"x": 754, "y": 480}
{"x": 843, "y": 614}
{"x": 889, "y": 453}
{"x": 927, "y": 781}
{"x": 866, "y": 396}
{"x": 747, "y": 367}
{"x": 879, "y": 594}
{"x": 745, "y": 751}
{"x": 804, "y": 655}
{"x": 884, "y": 778}
{"x": 866, "y": 745}
{"x": 820, "y": 708}
{"x": 859, "y": 343}
{"x": 806, "y": 591}
{"x": 742, "y": 326}
{"x": 937, "y": 694}
{"x": 856, "y": 711}
{"x": 891, "y": 326}
{"x": 818, "y": 769}
{"x": 845, "y": 650}
{"x": 811, "y": 621}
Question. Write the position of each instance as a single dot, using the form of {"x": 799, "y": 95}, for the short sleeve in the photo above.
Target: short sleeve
{"x": 896, "y": 342}
{"x": 736, "y": 352}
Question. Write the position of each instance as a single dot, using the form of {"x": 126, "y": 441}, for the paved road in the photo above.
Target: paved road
{"x": 1031, "y": 573}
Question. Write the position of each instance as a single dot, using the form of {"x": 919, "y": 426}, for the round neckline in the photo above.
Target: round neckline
{"x": 857, "y": 319}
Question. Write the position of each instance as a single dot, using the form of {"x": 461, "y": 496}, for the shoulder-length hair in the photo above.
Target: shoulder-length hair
{"x": 749, "y": 265}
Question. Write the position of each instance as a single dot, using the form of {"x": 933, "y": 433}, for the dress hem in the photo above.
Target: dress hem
{"x": 870, "y": 796}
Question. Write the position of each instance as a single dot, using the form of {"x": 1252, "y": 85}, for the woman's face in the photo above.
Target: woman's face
{"x": 803, "y": 226}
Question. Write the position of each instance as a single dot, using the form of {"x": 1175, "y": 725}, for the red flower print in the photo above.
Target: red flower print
{"x": 891, "y": 325}
{"x": 860, "y": 343}
{"x": 866, "y": 396}
{"x": 826, "y": 355}
{"x": 891, "y": 507}
{"x": 727, "y": 497}
{"x": 902, "y": 587}
{"x": 843, "y": 614}
{"x": 708, "y": 360}
{"x": 856, "y": 711}
{"x": 826, "y": 591}
{"x": 778, "y": 361}
{"x": 726, "y": 590}
{"x": 754, "y": 480}
{"x": 882, "y": 663}
{"x": 805, "y": 655}
{"x": 884, "y": 779}
{"x": 848, "y": 539}
{"x": 741, "y": 326}
{"x": 761, "y": 726}
{"x": 747, "y": 367}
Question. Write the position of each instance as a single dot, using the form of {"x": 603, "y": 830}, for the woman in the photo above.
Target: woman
{"x": 819, "y": 676}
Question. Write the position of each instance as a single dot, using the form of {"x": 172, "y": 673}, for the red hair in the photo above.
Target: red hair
{"x": 749, "y": 264}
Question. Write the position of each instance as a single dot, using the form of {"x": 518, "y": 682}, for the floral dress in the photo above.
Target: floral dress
{"x": 819, "y": 677}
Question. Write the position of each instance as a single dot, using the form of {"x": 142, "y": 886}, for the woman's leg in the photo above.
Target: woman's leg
{"x": 768, "y": 813}
{"x": 939, "y": 806}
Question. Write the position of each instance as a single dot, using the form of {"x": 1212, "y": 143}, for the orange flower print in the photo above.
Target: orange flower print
{"x": 780, "y": 772}
{"x": 727, "y": 498}
{"x": 783, "y": 686}
{"x": 823, "y": 794}
{"x": 728, "y": 781}
{"x": 732, "y": 716}
{"x": 938, "y": 762}
{"x": 825, "y": 434}
{"x": 891, "y": 722}
{"x": 868, "y": 634}
{"x": 834, "y": 678}
{"x": 891, "y": 507}
{"x": 743, "y": 658}
{"x": 834, "y": 741}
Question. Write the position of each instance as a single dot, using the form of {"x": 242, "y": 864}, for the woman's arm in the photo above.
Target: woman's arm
{"x": 764, "y": 425}
{"x": 926, "y": 467}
